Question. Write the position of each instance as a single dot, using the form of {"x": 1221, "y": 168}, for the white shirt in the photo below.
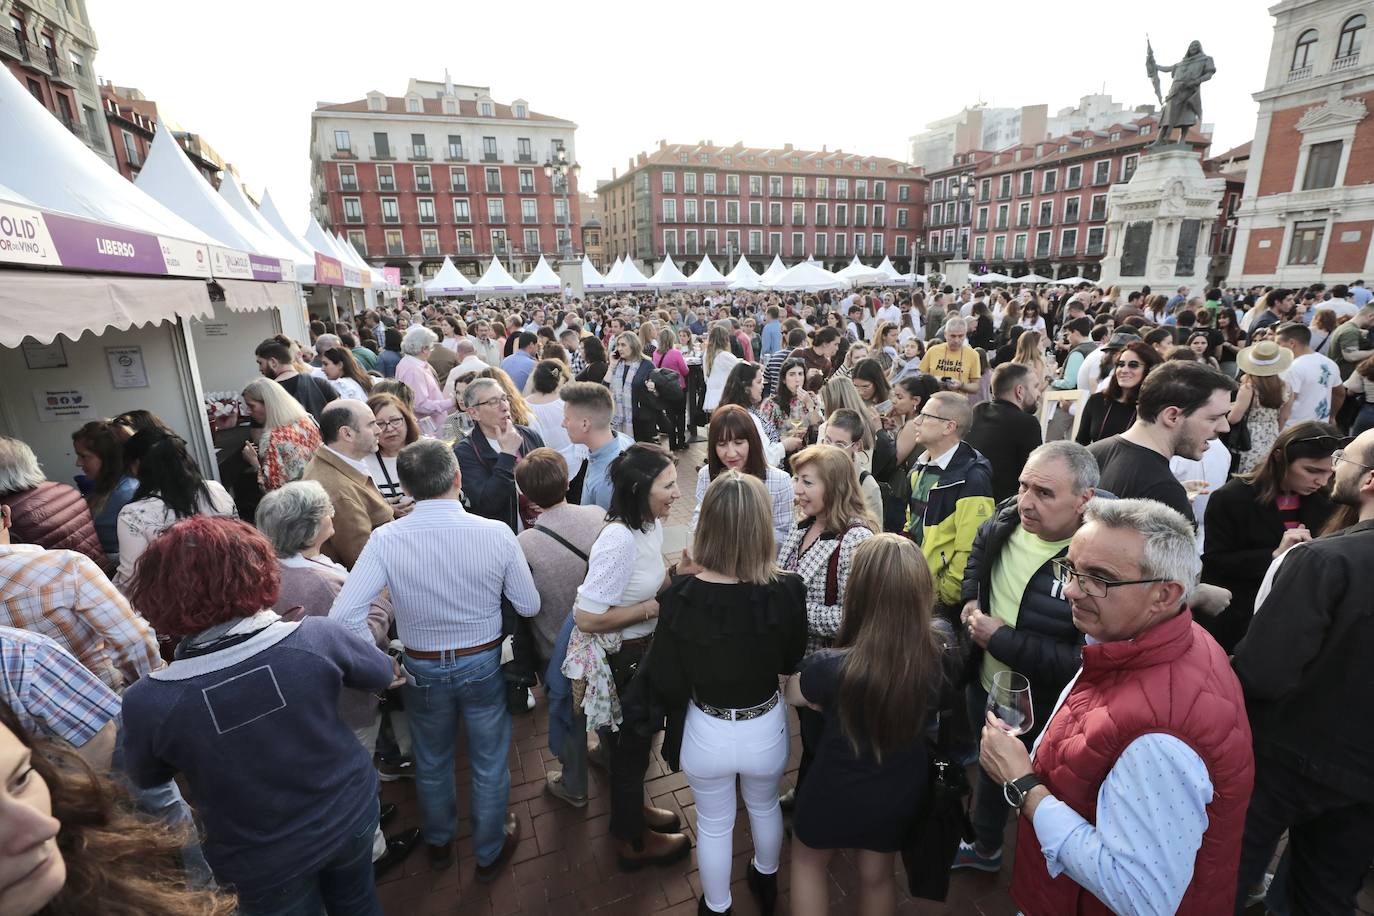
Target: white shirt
{"x": 358, "y": 465}
{"x": 1090, "y": 372}
{"x": 715, "y": 382}
{"x": 1311, "y": 376}
{"x": 347, "y": 388}
{"x": 625, "y": 567}
{"x": 1343, "y": 308}
{"x": 891, "y": 314}
{"x": 1214, "y": 467}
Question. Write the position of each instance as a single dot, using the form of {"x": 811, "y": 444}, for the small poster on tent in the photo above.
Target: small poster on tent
{"x": 56, "y": 405}
{"x": 126, "y": 367}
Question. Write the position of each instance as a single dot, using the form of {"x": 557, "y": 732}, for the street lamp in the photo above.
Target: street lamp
{"x": 961, "y": 238}
{"x": 557, "y": 169}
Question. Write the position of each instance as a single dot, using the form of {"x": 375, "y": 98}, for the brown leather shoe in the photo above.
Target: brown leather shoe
{"x": 488, "y": 873}
{"x": 653, "y": 849}
{"x": 441, "y": 856}
{"x": 661, "y": 820}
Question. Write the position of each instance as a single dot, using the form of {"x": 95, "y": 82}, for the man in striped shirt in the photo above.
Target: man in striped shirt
{"x": 53, "y": 694}
{"x": 447, "y": 570}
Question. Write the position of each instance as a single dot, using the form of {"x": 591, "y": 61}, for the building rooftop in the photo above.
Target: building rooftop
{"x": 780, "y": 161}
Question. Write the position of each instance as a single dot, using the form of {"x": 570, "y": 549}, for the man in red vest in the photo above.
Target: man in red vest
{"x": 1134, "y": 801}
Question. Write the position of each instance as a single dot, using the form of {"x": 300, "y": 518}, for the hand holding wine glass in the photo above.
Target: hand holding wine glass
{"x": 1009, "y": 703}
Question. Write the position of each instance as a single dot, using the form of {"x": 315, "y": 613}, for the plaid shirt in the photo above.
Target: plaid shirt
{"x": 66, "y": 597}
{"x": 50, "y": 691}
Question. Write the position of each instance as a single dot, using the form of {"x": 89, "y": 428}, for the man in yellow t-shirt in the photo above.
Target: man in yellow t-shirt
{"x": 954, "y": 362}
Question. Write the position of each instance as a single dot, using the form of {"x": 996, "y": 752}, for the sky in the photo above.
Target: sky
{"x": 860, "y": 76}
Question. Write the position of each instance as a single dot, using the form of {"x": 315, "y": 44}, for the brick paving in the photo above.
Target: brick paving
{"x": 565, "y": 862}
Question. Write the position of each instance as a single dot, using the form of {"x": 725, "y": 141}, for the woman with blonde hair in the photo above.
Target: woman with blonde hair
{"x": 835, "y": 520}
{"x": 289, "y": 434}
{"x": 720, "y": 359}
{"x": 726, "y": 631}
{"x": 840, "y": 392}
{"x": 1030, "y": 351}
{"x": 880, "y": 690}
{"x": 628, "y": 376}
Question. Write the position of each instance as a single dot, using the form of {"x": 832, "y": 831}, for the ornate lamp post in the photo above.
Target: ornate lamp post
{"x": 557, "y": 169}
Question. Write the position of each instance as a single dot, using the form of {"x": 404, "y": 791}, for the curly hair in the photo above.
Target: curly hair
{"x": 202, "y": 571}
{"x": 119, "y": 862}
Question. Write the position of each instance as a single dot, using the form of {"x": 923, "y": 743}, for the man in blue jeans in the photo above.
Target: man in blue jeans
{"x": 447, "y": 571}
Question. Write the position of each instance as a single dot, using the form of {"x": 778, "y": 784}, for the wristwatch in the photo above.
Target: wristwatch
{"x": 1016, "y": 790}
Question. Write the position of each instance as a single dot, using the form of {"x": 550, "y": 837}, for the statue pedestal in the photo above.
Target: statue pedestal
{"x": 956, "y": 272}
{"x": 1159, "y": 223}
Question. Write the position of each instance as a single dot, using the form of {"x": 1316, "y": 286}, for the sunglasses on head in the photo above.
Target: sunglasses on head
{"x": 1317, "y": 446}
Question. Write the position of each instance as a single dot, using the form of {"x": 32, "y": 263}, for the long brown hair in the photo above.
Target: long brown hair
{"x": 119, "y": 862}
{"x": 844, "y": 498}
{"x": 1268, "y": 390}
{"x": 1268, "y": 475}
{"x": 886, "y": 676}
{"x": 100, "y": 439}
{"x": 728, "y": 423}
{"x": 344, "y": 357}
{"x": 1148, "y": 356}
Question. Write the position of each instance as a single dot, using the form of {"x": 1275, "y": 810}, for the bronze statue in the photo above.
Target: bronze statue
{"x": 1182, "y": 108}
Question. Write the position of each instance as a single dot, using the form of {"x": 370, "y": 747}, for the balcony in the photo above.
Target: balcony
{"x": 11, "y": 45}
{"x": 62, "y": 73}
{"x": 395, "y": 250}
{"x": 525, "y": 156}
{"x": 419, "y": 154}
{"x": 1023, "y": 223}
{"x": 382, "y": 153}
{"x": 860, "y": 222}
{"x": 1302, "y": 73}
{"x": 386, "y": 185}
{"x": 1073, "y": 185}
{"x": 498, "y": 219}
{"x": 430, "y": 251}
{"x": 456, "y": 188}
{"x": 343, "y": 152}
{"x": 529, "y": 219}
{"x": 424, "y": 187}
{"x": 493, "y": 187}
{"x": 392, "y": 220}
{"x": 455, "y": 153}
{"x": 1096, "y": 249}
{"x": 428, "y": 219}
{"x": 77, "y": 128}
{"x": 352, "y": 218}
{"x": 492, "y": 154}
{"x": 348, "y": 185}
{"x": 880, "y": 223}
{"x": 462, "y": 219}
{"x": 1349, "y": 62}
{"x": 1000, "y": 224}
{"x": 466, "y": 250}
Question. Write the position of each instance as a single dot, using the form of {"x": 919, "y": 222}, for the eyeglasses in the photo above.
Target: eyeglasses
{"x": 388, "y": 424}
{"x": 931, "y": 416}
{"x": 1092, "y": 586}
{"x": 1339, "y": 455}
{"x": 844, "y": 445}
{"x": 500, "y": 400}
{"x": 1130, "y": 365}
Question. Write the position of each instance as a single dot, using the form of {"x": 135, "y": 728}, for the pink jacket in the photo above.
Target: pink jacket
{"x": 673, "y": 360}
{"x": 431, "y": 407}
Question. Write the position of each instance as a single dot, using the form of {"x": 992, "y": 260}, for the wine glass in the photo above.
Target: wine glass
{"x": 1010, "y": 701}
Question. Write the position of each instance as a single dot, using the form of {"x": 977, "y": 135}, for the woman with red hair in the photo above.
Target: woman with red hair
{"x": 248, "y": 712}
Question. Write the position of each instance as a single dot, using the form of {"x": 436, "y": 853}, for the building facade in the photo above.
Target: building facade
{"x": 50, "y": 48}
{"x": 1308, "y": 210}
{"x": 1035, "y": 208}
{"x": 444, "y": 171}
{"x": 690, "y": 200}
{"x": 133, "y": 121}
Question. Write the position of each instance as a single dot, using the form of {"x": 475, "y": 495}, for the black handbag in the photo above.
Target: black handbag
{"x": 667, "y": 386}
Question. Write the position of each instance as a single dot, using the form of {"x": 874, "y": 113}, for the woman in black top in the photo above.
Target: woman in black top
{"x": 880, "y": 689}
{"x": 1111, "y": 412}
{"x": 594, "y": 352}
{"x": 724, "y": 636}
{"x": 1256, "y": 517}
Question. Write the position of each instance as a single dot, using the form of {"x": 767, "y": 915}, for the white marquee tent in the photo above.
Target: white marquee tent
{"x": 856, "y": 273}
{"x": 542, "y": 279}
{"x": 706, "y": 276}
{"x": 449, "y": 281}
{"x": 592, "y": 280}
{"x": 808, "y": 276}
{"x": 630, "y": 277}
{"x": 496, "y": 280}
{"x": 668, "y": 275}
{"x": 775, "y": 270}
{"x": 743, "y": 276}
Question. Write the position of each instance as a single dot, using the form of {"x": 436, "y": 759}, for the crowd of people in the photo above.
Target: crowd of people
{"x": 1086, "y": 558}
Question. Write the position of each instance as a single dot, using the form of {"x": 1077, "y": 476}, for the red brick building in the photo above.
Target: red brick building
{"x": 133, "y": 121}
{"x": 444, "y": 171}
{"x": 1037, "y": 208}
{"x": 1308, "y": 210}
{"x": 688, "y": 200}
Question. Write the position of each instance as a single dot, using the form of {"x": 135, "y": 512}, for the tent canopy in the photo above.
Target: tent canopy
{"x": 1073, "y": 281}
{"x": 630, "y": 277}
{"x": 991, "y": 276}
{"x": 775, "y": 270}
{"x": 321, "y": 242}
{"x": 591, "y": 279}
{"x": 743, "y": 276}
{"x": 707, "y": 277}
{"x": 855, "y": 272}
{"x": 668, "y": 274}
{"x": 542, "y": 279}
{"x": 449, "y": 281}
{"x": 1031, "y": 278}
{"x": 808, "y": 276}
{"x": 301, "y": 255}
{"x": 496, "y": 280}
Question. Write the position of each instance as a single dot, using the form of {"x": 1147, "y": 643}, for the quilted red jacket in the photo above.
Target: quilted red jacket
{"x": 54, "y": 516}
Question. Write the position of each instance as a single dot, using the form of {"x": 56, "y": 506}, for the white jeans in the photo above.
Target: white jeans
{"x": 714, "y": 752}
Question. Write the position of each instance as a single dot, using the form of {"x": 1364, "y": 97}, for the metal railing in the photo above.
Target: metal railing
{"x": 419, "y": 153}
{"x": 383, "y": 153}
{"x": 491, "y": 155}
{"x": 455, "y": 153}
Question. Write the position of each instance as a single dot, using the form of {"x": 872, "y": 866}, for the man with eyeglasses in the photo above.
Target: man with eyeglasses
{"x": 488, "y": 455}
{"x": 951, "y": 494}
{"x": 1133, "y": 799}
{"x": 953, "y": 362}
{"x": 349, "y": 432}
{"x": 1304, "y": 667}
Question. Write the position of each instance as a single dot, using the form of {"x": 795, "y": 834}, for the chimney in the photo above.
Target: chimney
{"x": 787, "y": 147}
{"x": 662, "y": 144}
{"x": 823, "y": 148}
{"x": 613, "y": 175}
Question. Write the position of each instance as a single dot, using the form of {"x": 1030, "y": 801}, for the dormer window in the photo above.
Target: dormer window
{"x": 1063, "y": 147}
{"x": 450, "y": 106}
{"x": 1144, "y": 129}
{"x": 376, "y": 102}
{"x": 521, "y": 111}
{"x": 413, "y": 105}
{"x": 1114, "y": 136}
{"x": 486, "y": 109}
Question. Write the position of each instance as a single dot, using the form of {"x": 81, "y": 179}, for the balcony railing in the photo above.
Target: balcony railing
{"x": 395, "y": 250}
{"x": 455, "y": 188}
{"x": 424, "y": 187}
{"x": 419, "y": 154}
{"x": 382, "y": 153}
{"x": 348, "y": 185}
{"x": 1097, "y": 213}
{"x": 11, "y": 45}
{"x": 455, "y": 153}
{"x": 493, "y": 187}
{"x": 1099, "y": 248}
{"x": 428, "y": 219}
{"x": 344, "y": 152}
{"x": 491, "y": 155}
{"x": 62, "y": 73}
{"x": 355, "y": 218}
{"x": 529, "y": 219}
{"x": 524, "y": 157}
{"x": 1299, "y": 73}
{"x": 393, "y": 220}
{"x": 497, "y": 220}
{"x": 1345, "y": 63}
{"x": 386, "y": 186}
{"x": 462, "y": 219}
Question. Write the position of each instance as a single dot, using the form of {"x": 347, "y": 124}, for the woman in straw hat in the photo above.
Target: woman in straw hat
{"x": 1263, "y": 401}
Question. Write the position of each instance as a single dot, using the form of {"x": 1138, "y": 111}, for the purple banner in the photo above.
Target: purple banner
{"x": 92, "y": 246}
{"x": 265, "y": 268}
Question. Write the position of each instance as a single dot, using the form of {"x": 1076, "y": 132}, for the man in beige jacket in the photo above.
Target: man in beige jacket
{"x": 349, "y": 431}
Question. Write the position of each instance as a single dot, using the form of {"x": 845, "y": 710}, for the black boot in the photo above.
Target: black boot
{"x": 763, "y": 887}
{"x": 704, "y": 910}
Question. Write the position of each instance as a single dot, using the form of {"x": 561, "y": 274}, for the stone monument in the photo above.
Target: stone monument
{"x": 1159, "y": 222}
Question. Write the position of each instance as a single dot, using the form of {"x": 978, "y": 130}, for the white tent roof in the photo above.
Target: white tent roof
{"x": 668, "y": 274}
{"x": 302, "y": 255}
{"x": 855, "y": 272}
{"x": 808, "y": 276}
{"x": 743, "y": 276}
{"x": 448, "y": 281}
{"x": 991, "y": 276}
{"x": 1031, "y": 278}
{"x": 706, "y": 275}
{"x": 887, "y": 268}
{"x": 324, "y": 244}
{"x": 631, "y": 277}
{"x": 542, "y": 279}
{"x": 591, "y": 279}
{"x": 496, "y": 280}
{"x": 775, "y": 270}
{"x": 270, "y": 213}
{"x": 1073, "y": 281}
{"x": 168, "y": 176}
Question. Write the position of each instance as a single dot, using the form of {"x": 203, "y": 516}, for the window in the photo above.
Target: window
{"x": 1018, "y": 248}
{"x": 798, "y": 186}
{"x": 669, "y": 182}
{"x": 822, "y": 214}
{"x": 822, "y": 187}
{"x": 731, "y": 184}
{"x": 386, "y": 178}
{"x": 342, "y": 142}
{"x": 496, "y": 210}
{"x": 529, "y": 211}
{"x": 381, "y": 146}
{"x": 1099, "y": 207}
{"x": 841, "y": 189}
{"x": 394, "y": 245}
{"x": 1004, "y": 186}
{"x": 1027, "y": 183}
{"x": 1074, "y": 177}
{"x": 1323, "y": 160}
{"x": 689, "y": 182}
{"x": 1071, "y": 207}
{"x": 489, "y": 150}
{"x": 860, "y": 189}
{"x": 732, "y": 211}
{"x": 900, "y": 249}
{"x": 709, "y": 214}
{"x": 1095, "y": 237}
{"x": 876, "y": 248}
{"x": 391, "y": 211}
{"x": 458, "y": 179}
{"x": 531, "y": 241}
{"x": 985, "y": 189}
{"x": 1302, "y": 51}
{"x": 1023, "y": 215}
{"x": 412, "y": 105}
{"x": 1102, "y": 171}
{"x": 842, "y": 214}
{"x": 455, "y": 147}
{"x": 879, "y": 215}
{"x": 462, "y": 211}
{"x": 903, "y": 193}
{"x": 1050, "y": 182}
{"x": 527, "y": 181}
{"x": 798, "y": 213}
{"x": 422, "y": 178}
{"x": 756, "y": 213}
{"x": 755, "y": 242}
{"x": 712, "y": 240}
{"x": 353, "y": 210}
{"x": 708, "y": 183}
{"x": 1046, "y": 213}
{"x": 732, "y": 240}
{"x": 498, "y": 240}
{"x": 1307, "y": 243}
{"x": 999, "y": 247}
{"x": 982, "y": 222}
{"x": 820, "y": 245}
{"x": 429, "y": 241}
{"x": 1042, "y": 244}
{"x": 1068, "y": 241}
{"x": 419, "y": 149}
{"x": 689, "y": 211}
{"x": 560, "y": 211}
{"x": 798, "y": 244}
{"x": 78, "y": 64}
{"x": 493, "y": 181}
{"x": 880, "y": 190}
{"x": 775, "y": 243}
{"x": 774, "y": 186}
{"x": 689, "y": 242}
{"x": 1128, "y": 165}
{"x": 980, "y": 248}
{"x": 485, "y": 109}
{"x": 1351, "y": 37}
{"x": 669, "y": 210}
{"x": 523, "y": 153}
{"x": 756, "y": 185}
{"x": 463, "y": 239}
{"x": 358, "y": 240}
{"x": 1003, "y": 214}
{"x": 841, "y": 249}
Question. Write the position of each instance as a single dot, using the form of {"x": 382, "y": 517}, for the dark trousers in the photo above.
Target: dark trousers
{"x": 1330, "y": 840}
{"x": 628, "y": 754}
{"x": 675, "y": 424}
{"x": 812, "y": 727}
